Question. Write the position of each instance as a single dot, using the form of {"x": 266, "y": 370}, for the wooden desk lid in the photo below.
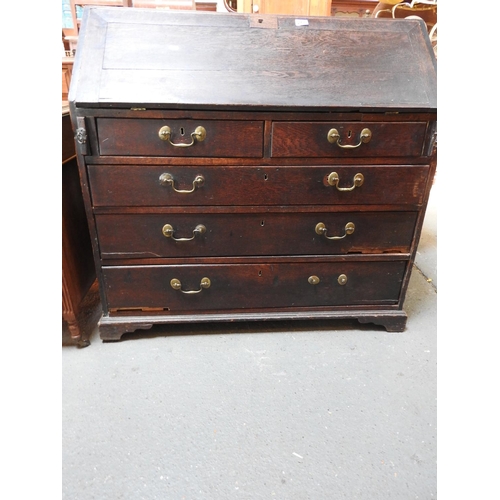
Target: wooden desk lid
{"x": 165, "y": 59}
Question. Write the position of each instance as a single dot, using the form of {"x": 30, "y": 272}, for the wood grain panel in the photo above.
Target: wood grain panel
{"x": 139, "y": 186}
{"x": 140, "y": 236}
{"x": 140, "y": 138}
{"x": 237, "y": 287}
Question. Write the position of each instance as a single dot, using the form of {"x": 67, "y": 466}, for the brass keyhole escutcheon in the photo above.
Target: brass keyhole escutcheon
{"x": 313, "y": 280}
{"x": 342, "y": 279}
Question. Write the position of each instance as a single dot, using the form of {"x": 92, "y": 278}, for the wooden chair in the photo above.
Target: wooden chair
{"x": 423, "y": 9}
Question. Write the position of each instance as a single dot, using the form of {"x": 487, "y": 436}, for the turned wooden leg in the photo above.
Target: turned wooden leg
{"x": 74, "y": 329}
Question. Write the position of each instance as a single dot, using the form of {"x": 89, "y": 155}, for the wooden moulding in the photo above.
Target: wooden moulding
{"x": 112, "y": 328}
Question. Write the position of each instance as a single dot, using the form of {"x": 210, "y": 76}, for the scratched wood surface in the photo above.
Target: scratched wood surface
{"x": 233, "y": 60}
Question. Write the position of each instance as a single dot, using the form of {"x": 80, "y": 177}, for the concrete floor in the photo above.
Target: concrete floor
{"x": 286, "y": 410}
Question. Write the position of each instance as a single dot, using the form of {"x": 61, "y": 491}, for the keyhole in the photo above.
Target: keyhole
{"x": 262, "y": 223}
{"x": 265, "y": 177}
{"x": 349, "y": 134}
{"x": 260, "y": 273}
{"x": 182, "y": 130}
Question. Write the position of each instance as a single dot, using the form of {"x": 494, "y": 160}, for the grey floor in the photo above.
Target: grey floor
{"x": 290, "y": 410}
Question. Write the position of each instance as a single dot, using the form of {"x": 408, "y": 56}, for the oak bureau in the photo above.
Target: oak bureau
{"x": 245, "y": 167}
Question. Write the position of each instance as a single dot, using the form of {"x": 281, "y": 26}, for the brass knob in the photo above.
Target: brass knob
{"x": 175, "y": 284}
{"x": 164, "y": 133}
{"x": 205, "y": 283}
{"x": 313, "y": 280}
{"x": 342, "y": 279}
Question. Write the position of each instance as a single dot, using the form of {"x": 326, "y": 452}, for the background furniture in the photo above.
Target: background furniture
{"x": 412, "y": 9}
{"x": 70, "y": 35}
{"x": 78, "y": 271}
{"x": 224, "y": 189}
{"x": 424, "y": 9}
{"x": 293, "y": 7}
{"x": 353, "y": 8}
{"x": 67, "y": 70}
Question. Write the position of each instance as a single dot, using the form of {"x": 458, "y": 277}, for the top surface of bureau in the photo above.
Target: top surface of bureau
{"x": 184, "y": 60}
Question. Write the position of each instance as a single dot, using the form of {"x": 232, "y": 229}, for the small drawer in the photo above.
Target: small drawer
{"x": 190, "y": 288}
{"x": 189, "y": 138}
{"x": 347, "y": 139}
{"x": 135, "y": 236}
{"x": 147, "y": 185}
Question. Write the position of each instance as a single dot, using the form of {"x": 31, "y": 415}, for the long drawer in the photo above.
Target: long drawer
{"x": 230, "y": 234}
{"x": 160, "y": 185}
{"x": 191, "y": 138}
{"x": 347, "y": 139}
{"x": 244, "y": 286}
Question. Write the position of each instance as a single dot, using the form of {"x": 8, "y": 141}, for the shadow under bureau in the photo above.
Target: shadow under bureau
{"x": 242, "y": 167}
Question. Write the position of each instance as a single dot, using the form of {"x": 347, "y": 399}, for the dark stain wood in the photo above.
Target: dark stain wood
{"x": 309, "y": 139}
{"x": 140, "y": 236}
{"x": 138, "y": 185}
{"x": 332, "y": 63}
{"x": 291, "y": 114}
{"x": 240, "y": 287}
{"x": 140, "y": 138}
{"x": 78, "y": 272}
{"x": 267, "y": 105}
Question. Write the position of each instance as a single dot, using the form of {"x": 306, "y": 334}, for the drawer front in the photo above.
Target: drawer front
{"x": 213, "y": 235}
{"x": 252, "y": 286}
{"x": 141, "y": 137}
{"x": 135, "y": 185}
{"x": 319, "y": 139}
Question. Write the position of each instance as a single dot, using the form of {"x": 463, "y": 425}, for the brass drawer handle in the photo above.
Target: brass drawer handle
{"x": 199, "y": 135}
{"x": 342, "y": 279}
{"x": 176, "y": 285}
{"x": 321, "y": 229}
{"x": 168, "y": 179}
{"x": 168, "y": 232}
{"x": 334, "y": 137}
{"x": 334, "y": 179}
